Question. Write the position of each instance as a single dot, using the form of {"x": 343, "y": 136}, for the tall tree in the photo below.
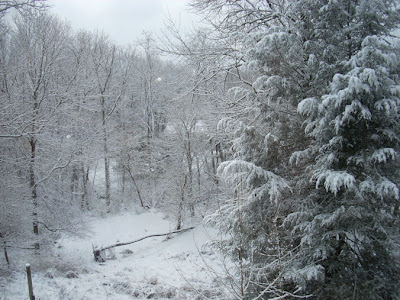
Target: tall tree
{"x": 292, "y": 49}
{"x": 110, "y": 71}
{"x": 153, "y": 90}
{"x": 265, "y": 64}
{"x": 39, "y": 52}
{"x": 350, "y": 220}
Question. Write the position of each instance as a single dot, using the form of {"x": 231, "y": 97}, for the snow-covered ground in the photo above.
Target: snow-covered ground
{"x": 176, "y": 267}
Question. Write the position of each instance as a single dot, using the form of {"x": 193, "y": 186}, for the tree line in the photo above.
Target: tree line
{"x": 88, "y": 125}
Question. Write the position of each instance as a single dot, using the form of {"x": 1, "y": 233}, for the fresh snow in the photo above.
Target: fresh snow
{"x": 177, "y": 267}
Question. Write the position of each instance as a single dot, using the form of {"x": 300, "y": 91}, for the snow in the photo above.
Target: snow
{"x": 335, "y": 180}
{"x": 175, "y": 267}
{"x": 383, "y": 155}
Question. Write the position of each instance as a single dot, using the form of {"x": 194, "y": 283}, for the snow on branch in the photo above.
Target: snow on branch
{"x": 383, "y": 155}
{"x": 97, "y": 252}
{"x": 307, "y": 106}
{"x": 328, "y": 220}
{"x": 355, "y": 107}
{"x": 387, "y": 187}
{"x": 335, "y": 180}
{"x": 387, "y": 105}
{"x": 310, "y": 272}
{"x": 297, "y": 156}
{"x": 243, "y": 173}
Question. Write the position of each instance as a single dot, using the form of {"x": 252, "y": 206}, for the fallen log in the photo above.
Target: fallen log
{"x": 97, "y": 252}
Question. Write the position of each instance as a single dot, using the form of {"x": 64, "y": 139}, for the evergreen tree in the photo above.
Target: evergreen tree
{"x": 348, "y": 226}
{"x": 337, "y": 241}
{"x": 265, "y": 133}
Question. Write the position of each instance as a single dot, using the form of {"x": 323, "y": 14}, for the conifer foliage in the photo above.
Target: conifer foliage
{"x": 350, "y": 224}
{"x": 315, "y": 211}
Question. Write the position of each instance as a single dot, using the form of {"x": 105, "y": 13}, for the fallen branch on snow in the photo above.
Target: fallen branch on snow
{"x": 97, "y": 252}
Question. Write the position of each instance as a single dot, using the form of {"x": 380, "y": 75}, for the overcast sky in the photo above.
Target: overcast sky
{"x": 123, "y": 20}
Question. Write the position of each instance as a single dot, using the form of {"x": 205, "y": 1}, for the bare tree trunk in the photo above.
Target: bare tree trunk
{"x": 106, "y": 158}
{"x": 123, "y": 183}
{"x": 85, "y": 188}
{"x": 85, "y": 180}
{"x": 181, "y": 205}
{"x": 5, "y": 249}
{"x": 33, "y": 185}
{"x": 214, "y": 162}
{"x": 219, "y": 152}
{"x": 103, "y": 58}
{"x": 191, "y": 200}
{"x": 136, "y": 186}
{"x": 198, "y": 174}
{"x": 74, "y": 182}
{"x": 150, "y": 134}
{"x": 189, "y": 158}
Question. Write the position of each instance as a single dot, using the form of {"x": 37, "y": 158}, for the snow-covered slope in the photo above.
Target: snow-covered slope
{"x": 174, "y": 267}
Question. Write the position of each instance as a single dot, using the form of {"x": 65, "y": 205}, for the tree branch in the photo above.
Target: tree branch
{"x": 96, "y": 251}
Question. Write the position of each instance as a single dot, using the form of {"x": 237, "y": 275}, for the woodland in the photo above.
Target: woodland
{"x": 275, "y": 122}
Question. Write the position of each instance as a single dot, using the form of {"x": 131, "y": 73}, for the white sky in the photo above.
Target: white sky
{"x": 123, "y": 20}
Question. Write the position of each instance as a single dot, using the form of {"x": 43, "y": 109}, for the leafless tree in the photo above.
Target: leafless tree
{"x": 6, "y": 5}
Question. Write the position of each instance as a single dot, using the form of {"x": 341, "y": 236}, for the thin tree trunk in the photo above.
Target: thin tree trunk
{"x": 33, "y": 186}
{"x": 190, "y": 171}
{"x": 106, "y": 158}
{"x": 181, "y": 205}
{"x": 5, "y": 249}
{"x": 198, "y": 175}
{"x": 85, "y": 188}
{"x": 85, "y": 179}
{"x": 220, "y": 152}
{"x": 214, "y": 166}
{"x": 149, "y": 156}
{"x": 32, "y": 181}
{"x": 74, "y": 182}
{"x": 135, "y": 184}
{"x": 123, "y": 183}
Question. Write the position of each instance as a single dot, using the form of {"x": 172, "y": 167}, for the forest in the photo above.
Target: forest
{"x": 276, "y": 122}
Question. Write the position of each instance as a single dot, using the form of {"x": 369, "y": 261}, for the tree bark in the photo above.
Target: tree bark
{"x": 106, "y": 158}
{"x": 33, "y": 185}
{"x": 85, "y": 180}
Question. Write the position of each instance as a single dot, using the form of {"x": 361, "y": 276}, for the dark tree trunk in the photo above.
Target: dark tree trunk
{"x": 181, "y": 205}
{"x": 33, "y": 186}
{"x": 5, "y": 249}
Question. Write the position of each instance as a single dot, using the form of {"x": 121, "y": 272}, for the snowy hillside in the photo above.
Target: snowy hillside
{"x": 177, "y": 267}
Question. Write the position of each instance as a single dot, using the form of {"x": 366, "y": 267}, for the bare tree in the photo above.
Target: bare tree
{"x": 39, "y": 53}
{"x": 153, "y": 92}
{"x": 6, "y": 5}
{"x": 37, "y": 77}
{"x": 111, "y": 69}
